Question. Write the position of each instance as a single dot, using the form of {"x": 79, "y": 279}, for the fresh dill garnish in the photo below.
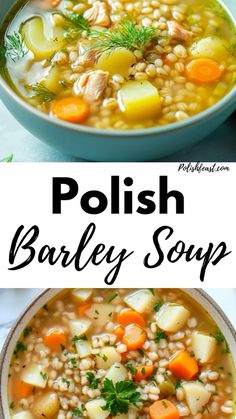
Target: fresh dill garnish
{"x": 7, "y": 159}
{"x": 119, "y": 396}
{"x": 14, "y": 47}
{"x": 127, "y": 35}
{"x": 74, "y": 25}
{"x": 93, "y": 382}
{"x": 220, "y": 339}
{"x": 76, "y": 412}
{"x": 42, "y": 93}
{"x": 160, "y": 335}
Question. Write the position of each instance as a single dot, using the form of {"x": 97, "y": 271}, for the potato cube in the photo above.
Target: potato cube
{"x": 94, "y": 409}
{"x": 100, "y": 313}
{"x": 79, "y": 327}
{"x": 139, "y": 100}
{"x": 210, "y": 47}
{"x": 141, "y": 301}
{"x": 81, "y": 295}
{"x": 22, "y": 415}
{"x": 117, "y": 62}
{"x": 117, "y": 372}
{"x": 34, "y": 375}
{"x": 107, "y": 357}
{"x": 83, "y": 348}
{"x": 196, "y": 396}
{"x": 204, "y": 347}
{"x": 172, "y": 317}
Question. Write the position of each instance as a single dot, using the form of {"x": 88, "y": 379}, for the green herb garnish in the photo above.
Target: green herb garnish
{"x": 93, "y": 382}
{"x": 157, "y": 306}
{"x": 11, "y": 405}
{"x": 112, "y": 296}
{"x": 44, "y": 375}
{"x": 160, "y": 335}
{"x": 42, "y": 93}
{"x": 178, "y": 384}
{"x": 27, "y": 331}
{"x": 65, "y": 380}
{"x": 132, "y": 369}
{"x": 119, "y": 396}
{"x": 20, "y": 347}
{"x": 127, "y": 35}
{"x": 7, "y": 159}
{"x": 219, "y": 337}
{"x": 74, "y": 25}
{"x": 76, "y": 412}
{"x": 13, "y": 48}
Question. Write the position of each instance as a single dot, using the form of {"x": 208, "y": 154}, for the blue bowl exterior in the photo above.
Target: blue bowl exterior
{"x": 90, "y": 144}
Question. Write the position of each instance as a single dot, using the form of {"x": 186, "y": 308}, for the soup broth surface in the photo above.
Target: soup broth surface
{"x": 122, "y": 353}
{"x": 120, "y": 64}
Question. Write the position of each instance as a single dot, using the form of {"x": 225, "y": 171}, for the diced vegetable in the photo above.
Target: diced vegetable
{"x": 83, "y": 348}
{"x": 204, "y": 70}
{"x": 134, "y": 337}
{"x": 196, "y": 396}
{"x": 94, "y": 409}
{"x": 46, "y": 406}
{"x": 139, "y": 100}
{"x": 204, "y": 347}
{"x": 143, "y": 372}
{"x": 183, "y": 366}
{"x": 118, "y": 61}
{"x": 141, "y": 301}
{"x": 117, "y": 372}
{"x": 41, "y": 39}
{"x": 210, "y": 47}
{"x": 23, "y": 415}
{"x": 172, "y": 317}
{"x": 51, "y": 79}
{"x": 71, "y": 109}
{"x": 81, "y": 295}
{"x": 167, "y": 388}
{"x": 119, "y": 331}
{"x": 107, "y": 357}
{"x": 34, "y": 375}
{"x": 21, "y": 390}
{"x": 79, "y": 327}
{"x": 100, "y": 313}
{"x": 128, "y": 316}
{"x": 163, "y": 409}
{"x": 54, "y": 338}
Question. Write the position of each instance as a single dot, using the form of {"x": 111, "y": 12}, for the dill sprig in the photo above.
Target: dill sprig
{"x": 15, "y": 47}
{"x": 42, "y": 93}
{"x": 127, "y": 35}
{"x": 7, "y": 159}
{"x": 74, "y": 25}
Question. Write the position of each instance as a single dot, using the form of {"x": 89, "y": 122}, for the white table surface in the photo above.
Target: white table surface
{"x": 13, "y": 301}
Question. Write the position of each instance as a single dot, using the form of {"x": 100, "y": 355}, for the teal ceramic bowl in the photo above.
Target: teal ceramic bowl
{"x": 110, "y": 145}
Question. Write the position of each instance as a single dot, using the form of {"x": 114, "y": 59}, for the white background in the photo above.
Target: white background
{"x": 210, "y": 208}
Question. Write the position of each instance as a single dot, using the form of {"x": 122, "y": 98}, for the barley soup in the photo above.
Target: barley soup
{"x": 125, "y": 354}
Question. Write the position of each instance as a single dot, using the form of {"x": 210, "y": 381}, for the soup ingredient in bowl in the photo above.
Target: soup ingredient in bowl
{"x": 204, "y": 70}
{"x": 163, "y": 409}
{"x": 70, "y": 109}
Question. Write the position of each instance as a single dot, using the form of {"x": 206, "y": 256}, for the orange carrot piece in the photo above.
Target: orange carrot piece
{"x": 163, "y": 409}
{"x": 54, "y": 338}
{"x": 128, "y": 316}
{"x": 119, "y": 331}
{"x": 21, "y": 390}
{"x": 71, "y": 109}
{"x": 143, "y": 371}
{"x": 204, "y": 70}
{"x": 183, "y": 366}
{"x": 83, "y": 307}
{"x": 134, "y": 337}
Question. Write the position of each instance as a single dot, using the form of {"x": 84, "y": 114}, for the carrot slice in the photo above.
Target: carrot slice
{"x": 204, "y": 70}
{"x": 21, "y": 390}
{"x": 54, "y": 338}
{"x": 143, "y": 371}
{"x": 163, "y": 409}
{"x": 128, "y": 316}
{"x": 134, "y": 337}
{"x": 83, "y": 307}
{"x": 183, "y": 366}
{"x": 71, "y": 109}
{"x": 119, "y": 331}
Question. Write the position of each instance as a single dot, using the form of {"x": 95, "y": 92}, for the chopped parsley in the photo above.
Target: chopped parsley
{"x": 76, "y": 412}
{"x": 220, "y": 339}
{"x": 119, "y": 396}
{"x": 132, "y": 369}
{"x": 112, "y": 296}
{"x": 20, "y": 347}
{"x": 65, "y": 380}
{"x": 160, "y": 335}
{"x": 44, "y": 375}
{"x": 93, "y": 382}
{"x": 178, "y": 384}
{"x": 27, "y": 331}
{"x": 157, "y": 306}
{"x": 11, "y": 405}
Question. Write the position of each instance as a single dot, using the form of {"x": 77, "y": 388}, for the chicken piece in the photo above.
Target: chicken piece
{"x": 98, "y": 14}
{"x": 177, "y": 31}
{"x": 91, "y": 85}
{"x": 87, "y": 57}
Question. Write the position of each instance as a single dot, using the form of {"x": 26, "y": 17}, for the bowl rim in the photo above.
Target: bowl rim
{"x": 158, "y": 130}
{"x": 42, "y": 293}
